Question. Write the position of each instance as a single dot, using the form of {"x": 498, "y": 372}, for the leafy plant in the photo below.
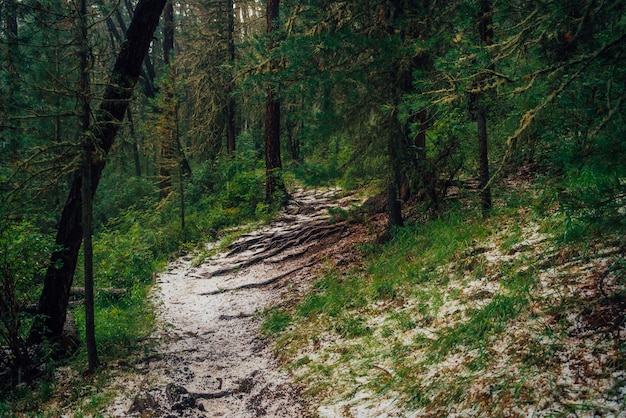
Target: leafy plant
{"x": 23, "y": 261}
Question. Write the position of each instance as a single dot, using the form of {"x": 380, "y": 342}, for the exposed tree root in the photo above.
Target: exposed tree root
{"x": 292, "y": 239}
{"x": 261, "y": 284}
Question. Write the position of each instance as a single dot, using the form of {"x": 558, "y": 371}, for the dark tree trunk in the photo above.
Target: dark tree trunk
{"x": 147, "y": 73}
{"x": 273, "y": 165}
{"x": 231, "y": 133}
{"x": 11, "y": 137}
{"x": 394, "y": 203}
{"x": 58, "y": 281}
{"x": 135, "y": 144}
{"x": 168, "y": 32}
{"x": 485, "y": 190}
{"x": 485, "y": 29}
{"x": 90, "y": 334}
{"x": 293, "y": 143}
{"x": 87, "y": 206}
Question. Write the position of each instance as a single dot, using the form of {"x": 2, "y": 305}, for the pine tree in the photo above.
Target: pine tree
{"x": 55, "y": 294}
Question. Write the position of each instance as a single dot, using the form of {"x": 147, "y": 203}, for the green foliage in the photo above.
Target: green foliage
{"x": 24, "y": 255}
{"x": 123, "y": 260}
{"x": 119, "y": 192}
{"x": 229, "y": 190}
{"x": 121, "y": 326}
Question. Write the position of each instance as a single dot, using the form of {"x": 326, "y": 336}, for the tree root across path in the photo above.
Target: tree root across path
{"x": 276, "y": 244}
{"x": 260, "y": 284}
{"x": 211, "y": 360}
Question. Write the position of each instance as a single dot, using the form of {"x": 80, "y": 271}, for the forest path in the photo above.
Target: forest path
{"x": 211, "y": 360}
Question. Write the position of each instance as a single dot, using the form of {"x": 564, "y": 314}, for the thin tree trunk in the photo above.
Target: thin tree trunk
{"x": 394, "y": 204}
{"x": 273, "y": 165}
{"x": 90, "y": 335}
{"x": 168, "y": 32}
{"x": 11, "y": 143}
{"x": 87, "y": 207}
{"x": 59, "y": 276}
{"x": 167, "y": 147}
{"x": 485, "y": 29}
{"x": 135, "y": 144}
{"x": 231, "y": 133}
{"x": 485, "y": 190}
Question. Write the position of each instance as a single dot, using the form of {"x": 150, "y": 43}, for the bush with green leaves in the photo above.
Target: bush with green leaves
{"x": 24, "y": 255}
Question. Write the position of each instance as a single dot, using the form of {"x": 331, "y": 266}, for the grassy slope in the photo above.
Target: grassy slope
{"x": 460, "y": 317}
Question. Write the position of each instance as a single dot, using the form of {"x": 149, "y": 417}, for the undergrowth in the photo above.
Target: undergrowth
{"x": 451, "y": 310}
{"x": 136, "y": 234}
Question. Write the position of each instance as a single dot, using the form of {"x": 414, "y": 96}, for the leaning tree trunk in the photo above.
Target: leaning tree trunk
{"x": 58, "y": 281}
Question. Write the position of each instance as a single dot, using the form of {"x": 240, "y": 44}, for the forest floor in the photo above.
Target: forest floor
{"x": 456, "y": 316}
{"x": 210, "y": 358}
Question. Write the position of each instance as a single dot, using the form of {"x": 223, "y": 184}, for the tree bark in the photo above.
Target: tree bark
{"x": 273, "y": 165}
{"x": 485, "y": 29}
{"x": 135, "y": 143}
{"x": 231, "y": 133}
{"x": 485, "y": 190}
{"x": 394, "y": 204}
{"x": 168, "y": 33}
{"x": 59, "y": 276}
{"x": 11, "y": 141}
{"x": 87, "y": 207}
{"x": 167, "y": 142}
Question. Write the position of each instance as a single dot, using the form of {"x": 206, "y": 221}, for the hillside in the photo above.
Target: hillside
{"x": 460, "y": 317}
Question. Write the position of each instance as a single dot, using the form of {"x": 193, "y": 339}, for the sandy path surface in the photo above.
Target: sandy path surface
{"x": 211, "y": 360}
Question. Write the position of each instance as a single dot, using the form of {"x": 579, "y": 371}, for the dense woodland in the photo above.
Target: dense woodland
{"x": 151, "y": 126}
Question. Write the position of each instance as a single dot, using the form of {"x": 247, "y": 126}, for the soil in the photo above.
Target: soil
{"x": 211, "y": 359}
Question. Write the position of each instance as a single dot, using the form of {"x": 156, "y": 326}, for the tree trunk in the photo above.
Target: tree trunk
{"x": 11, "y": 137}
{"x": 58, "y": 281}
{"x": 394, "y": 204}
{"x": 273, "y": 165}
{"x": 168, "y": 33}
{"x": 167, "y": 147}
{"x": 135, "y": 143}
{"x": 87, "y": 207}
{"x": 231, "y": 133}
{"x": 485, "y": 190}
{"x": 90, "y": 334}
{"x": 485, "y": 29}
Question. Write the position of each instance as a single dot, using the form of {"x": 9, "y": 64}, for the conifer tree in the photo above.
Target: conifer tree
{"x": 55, "y": 294}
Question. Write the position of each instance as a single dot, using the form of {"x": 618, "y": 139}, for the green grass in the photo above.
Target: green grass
{"x": 389, "y": 311}
{"x": 483, "y": 323}
{"x": 121, "y": 330}
{"x": 121, "y": 326}
{"x": 276, "y": 322}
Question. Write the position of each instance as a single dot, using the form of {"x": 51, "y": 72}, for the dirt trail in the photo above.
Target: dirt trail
{"x": 211, "y": 360}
